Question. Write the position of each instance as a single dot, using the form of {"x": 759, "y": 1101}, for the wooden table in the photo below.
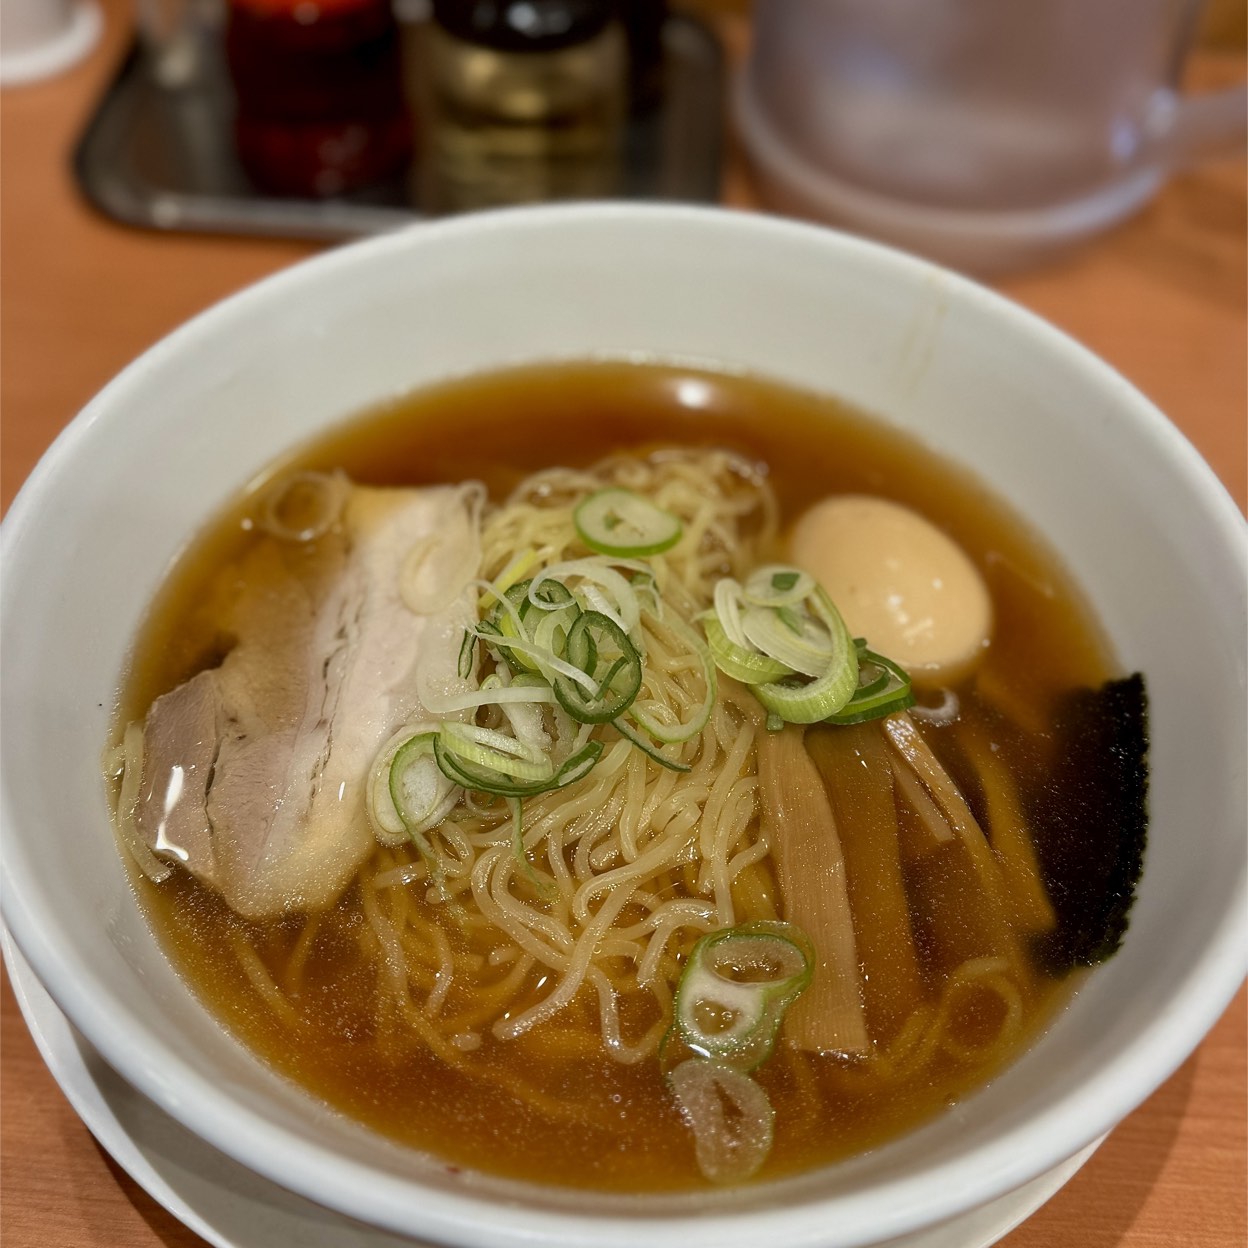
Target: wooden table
{"x": 1163, "y": 299}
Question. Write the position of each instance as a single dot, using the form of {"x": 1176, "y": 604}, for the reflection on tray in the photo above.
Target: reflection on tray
{"x": 163, "y": 154}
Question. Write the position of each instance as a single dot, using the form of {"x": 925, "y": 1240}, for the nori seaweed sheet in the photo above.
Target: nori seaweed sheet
{"x": 1090, "y": 821}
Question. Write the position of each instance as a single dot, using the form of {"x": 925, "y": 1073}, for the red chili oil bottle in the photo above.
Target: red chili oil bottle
{"x": 320, "y": 102}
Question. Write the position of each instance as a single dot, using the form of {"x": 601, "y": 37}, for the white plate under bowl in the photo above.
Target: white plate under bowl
{"x": 233, "y": 1207}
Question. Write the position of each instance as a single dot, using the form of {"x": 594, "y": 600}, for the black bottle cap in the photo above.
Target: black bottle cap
{"x": 524, "y": 25}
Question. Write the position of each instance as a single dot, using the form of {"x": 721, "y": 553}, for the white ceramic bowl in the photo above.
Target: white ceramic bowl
{"x": 1148, "y": 532}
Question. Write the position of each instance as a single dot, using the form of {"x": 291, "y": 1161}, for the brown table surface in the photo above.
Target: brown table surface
{"x": 1162, "y": 298}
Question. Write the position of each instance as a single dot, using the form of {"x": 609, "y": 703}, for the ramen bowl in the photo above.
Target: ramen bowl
{"x": 1141, "y": 523}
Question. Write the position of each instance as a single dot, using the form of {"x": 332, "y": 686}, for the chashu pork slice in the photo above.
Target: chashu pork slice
{"x": 254, "y": 772}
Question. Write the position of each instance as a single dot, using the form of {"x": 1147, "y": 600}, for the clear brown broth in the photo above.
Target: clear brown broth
{"x": 609, "y": 1126}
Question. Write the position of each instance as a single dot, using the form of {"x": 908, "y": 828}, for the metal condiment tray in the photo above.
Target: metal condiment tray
{"x": 162, "y": 157}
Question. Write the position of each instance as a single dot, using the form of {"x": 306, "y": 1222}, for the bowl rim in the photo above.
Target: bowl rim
{"x": 1065, "y": 1125}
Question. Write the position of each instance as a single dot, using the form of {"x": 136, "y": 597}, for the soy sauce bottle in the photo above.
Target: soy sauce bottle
{"x": 318, "y": 84}
{"x": 644, "y": 21}
{"x": 528, "y": 100}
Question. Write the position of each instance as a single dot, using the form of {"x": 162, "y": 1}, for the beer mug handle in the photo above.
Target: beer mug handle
{"x": 1188, "y": 130}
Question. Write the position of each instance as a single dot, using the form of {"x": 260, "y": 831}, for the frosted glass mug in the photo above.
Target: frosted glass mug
{"x": 1038, "y": 120}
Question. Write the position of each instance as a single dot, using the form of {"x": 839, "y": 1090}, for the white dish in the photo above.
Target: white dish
{"x": 1144, "y": 527}
{"x": 232, "y": 1207}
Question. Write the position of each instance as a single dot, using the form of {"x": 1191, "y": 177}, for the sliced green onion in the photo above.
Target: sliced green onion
{"x": 485, "y": 779}
{"x": 731, "y": 1117}
{"x": 883, "y": 689}
{"x": 727, "y": 604}
{"x": 644, "y": 585}
{"x": 551, "y": 631}
{"x": 387, "y": 823}
{"x": 809, "y": 702}
{"x": 467, "y": 654}
{"x": 596, "y": 600}
{"x": 523, "y": 713}
{"x": 615, "y": 688}
{"x": 569, "y": 637}
{"x": 735, "y": 989}
{"x": 603, "y": 572}
{"x": 304, "y": 505}
{"x": 740, "y": 662}
{"x": 785, "y": 637}
{"x": 775, "y": 585}
{"x": 780, "y": 627}
{"x": 420, "y": 792}
{"x": 545, "y": 661}
{"x": 544, "y": 887}
{"x": 493, "y": 692}
{"x": 648, "y": 748}
{"x": 791, "y": 620}
{"x": 872, "y": 677}
{"x": 619, "y": 522}
{"x": 547, "y": 595}
{"x": 507, "y": 619}
{"x": 517, "y": 760}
